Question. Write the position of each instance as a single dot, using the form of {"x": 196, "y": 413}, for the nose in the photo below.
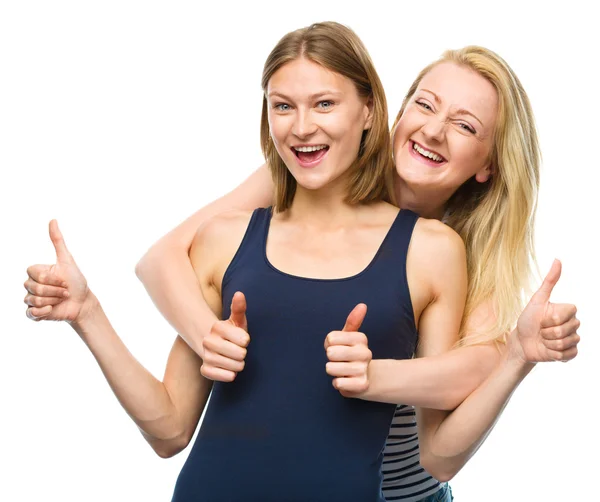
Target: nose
{"x": 435, "y": 129}
{"x": 304, "y": 124}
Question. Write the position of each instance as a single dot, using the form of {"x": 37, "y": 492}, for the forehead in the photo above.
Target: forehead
{"x": 304, "y": 77}
{"x": 461, "y": 87}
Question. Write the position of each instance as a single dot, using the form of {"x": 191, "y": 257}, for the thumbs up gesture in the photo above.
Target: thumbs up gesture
{"x": 349, "y": 356}
{"x": 225, "y": 345}
{"x": 546, "y": 331}
{"x": 56, "y": 292}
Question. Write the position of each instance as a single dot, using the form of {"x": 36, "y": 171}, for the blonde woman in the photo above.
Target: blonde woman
{"x": 466, "y": 152}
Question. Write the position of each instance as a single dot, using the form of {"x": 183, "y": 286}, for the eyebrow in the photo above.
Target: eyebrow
{"x": 460, "y": 111}
{"x": 311, "y": 97}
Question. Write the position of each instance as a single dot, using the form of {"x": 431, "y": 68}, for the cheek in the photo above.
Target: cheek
{"x": 406, "y": 125}
{"x": 470, "y": 155}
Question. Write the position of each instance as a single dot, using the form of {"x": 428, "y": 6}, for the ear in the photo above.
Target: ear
{"x": 368, "y": 114}
{"x": 484, "y": 174}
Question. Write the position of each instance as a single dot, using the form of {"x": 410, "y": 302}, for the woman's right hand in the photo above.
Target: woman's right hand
{"x": 56, "y": 292}
{"x": 225, "y": 346}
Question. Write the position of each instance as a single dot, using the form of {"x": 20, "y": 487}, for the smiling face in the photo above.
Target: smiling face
{"x": 445, "y": 135}
{"x": 316, "y": 121}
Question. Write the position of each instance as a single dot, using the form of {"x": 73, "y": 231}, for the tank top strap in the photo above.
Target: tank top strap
{"x": 401, "y": 231}
{"x": 251, "y": 249}
{"x": 394, "y": 248}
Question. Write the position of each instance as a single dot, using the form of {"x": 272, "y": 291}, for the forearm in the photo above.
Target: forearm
{"x": 172, "y": 284}
{"x": 447, "y": 447}
{"x": 439, "y": 382}
{"x": 167, "y": 274}
{"x": 143, "y": 397}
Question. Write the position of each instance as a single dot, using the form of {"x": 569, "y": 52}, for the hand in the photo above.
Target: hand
{"x": 546, "y": 331}
{"x": 225, "y": 345}
{"x": 349, "y": 355}
{"x": 56, "y": 292}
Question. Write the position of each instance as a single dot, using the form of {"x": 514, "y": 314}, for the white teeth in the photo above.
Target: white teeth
{"x": 427, "y": 153}
{"x": 307, "y": 149}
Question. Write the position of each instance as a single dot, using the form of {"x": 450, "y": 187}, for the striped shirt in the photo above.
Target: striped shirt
{"x": 403, "y": 477}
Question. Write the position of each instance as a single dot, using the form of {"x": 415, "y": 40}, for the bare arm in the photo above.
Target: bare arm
{"x": 166, "y": 271}
{"x": 440, "y": 382}
{"x": 545, "y": 332}
{"x": 166, "y": 412}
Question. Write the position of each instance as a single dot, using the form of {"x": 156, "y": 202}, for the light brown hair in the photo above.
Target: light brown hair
{"x": 337, "y": 48}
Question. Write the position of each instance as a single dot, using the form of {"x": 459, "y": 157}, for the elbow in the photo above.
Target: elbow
{"x": 152, "y": 263}
{"x": 438, "y": 468}
{"x": 147, "y": 262}
{"x": 169, "y": 448}
{"x": 169, "y": 445}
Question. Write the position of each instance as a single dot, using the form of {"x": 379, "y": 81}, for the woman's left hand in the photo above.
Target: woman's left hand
{"x": 349, "y": 355}
{"x": 546, "y": 331}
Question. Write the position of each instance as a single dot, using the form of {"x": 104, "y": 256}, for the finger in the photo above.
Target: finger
{"x": 562, "y": 331}
{"x": 238, "y": 311}
{"x": 349, "y": 387}
{"x": 62, "y": 253}
{"x": 569, "y": 354}
{"x": 345, "y": 338}
{"x": 37, "y": 289}
{"x": 43, "y": 275}
{"x": 343, "y": 353}
{"x": 563, "y": 356}
{"x": 224, "y": 347}
{"x": 234, "y": 334}
{"x": 217, "y": 374}
{"x": 214, "y": 360}
{"x": 564, "y": 343}
{"x": 543, "y": 294}
{"x": 557, "y": 314}
{"x": 36, "y": 314}
{"x": 353, "y": 369}
{"x": 355, "y": 318}
{"x": 41, "y": 301}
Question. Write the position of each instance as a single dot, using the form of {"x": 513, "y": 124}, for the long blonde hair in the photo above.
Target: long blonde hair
{"x": 337, "y": 48}
{"x": 495, "y": 219}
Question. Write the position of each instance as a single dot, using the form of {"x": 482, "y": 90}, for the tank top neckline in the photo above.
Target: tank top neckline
{"x": 267, "y": 226}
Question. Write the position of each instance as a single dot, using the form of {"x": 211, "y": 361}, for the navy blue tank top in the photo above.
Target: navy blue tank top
{"x": 280, "y": 432}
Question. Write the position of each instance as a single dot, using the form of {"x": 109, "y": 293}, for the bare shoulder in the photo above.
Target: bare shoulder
{"x": 437, "y": 252}
{"x": 216, "y": 242}
{"x": 429, "y": 231}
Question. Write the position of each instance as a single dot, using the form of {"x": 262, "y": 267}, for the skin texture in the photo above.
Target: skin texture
{"x": 445, "y": 378}
{"x": 452, "y": 113}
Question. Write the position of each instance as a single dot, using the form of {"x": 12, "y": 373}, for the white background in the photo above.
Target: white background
{"x": 121, "y": 118}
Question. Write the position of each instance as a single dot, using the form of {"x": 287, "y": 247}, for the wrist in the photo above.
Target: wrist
{"x": 515, "y": 356}
{"x": 88, "y": 313}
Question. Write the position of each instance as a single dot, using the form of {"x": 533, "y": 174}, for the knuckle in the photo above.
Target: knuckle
{"x": 555, "y": 318}
{"x": 557, "y": 333}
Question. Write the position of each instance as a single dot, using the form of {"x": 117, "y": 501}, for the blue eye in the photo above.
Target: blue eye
{"x": 282, "y": 107}
{"x": 325, "y": 105}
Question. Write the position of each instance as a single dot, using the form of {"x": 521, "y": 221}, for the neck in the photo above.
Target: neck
{"x": 427, "y": 203}
{"x": 320, "y": 206}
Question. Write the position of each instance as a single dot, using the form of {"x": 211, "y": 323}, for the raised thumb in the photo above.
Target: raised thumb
{"x": 355, "y": 318}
